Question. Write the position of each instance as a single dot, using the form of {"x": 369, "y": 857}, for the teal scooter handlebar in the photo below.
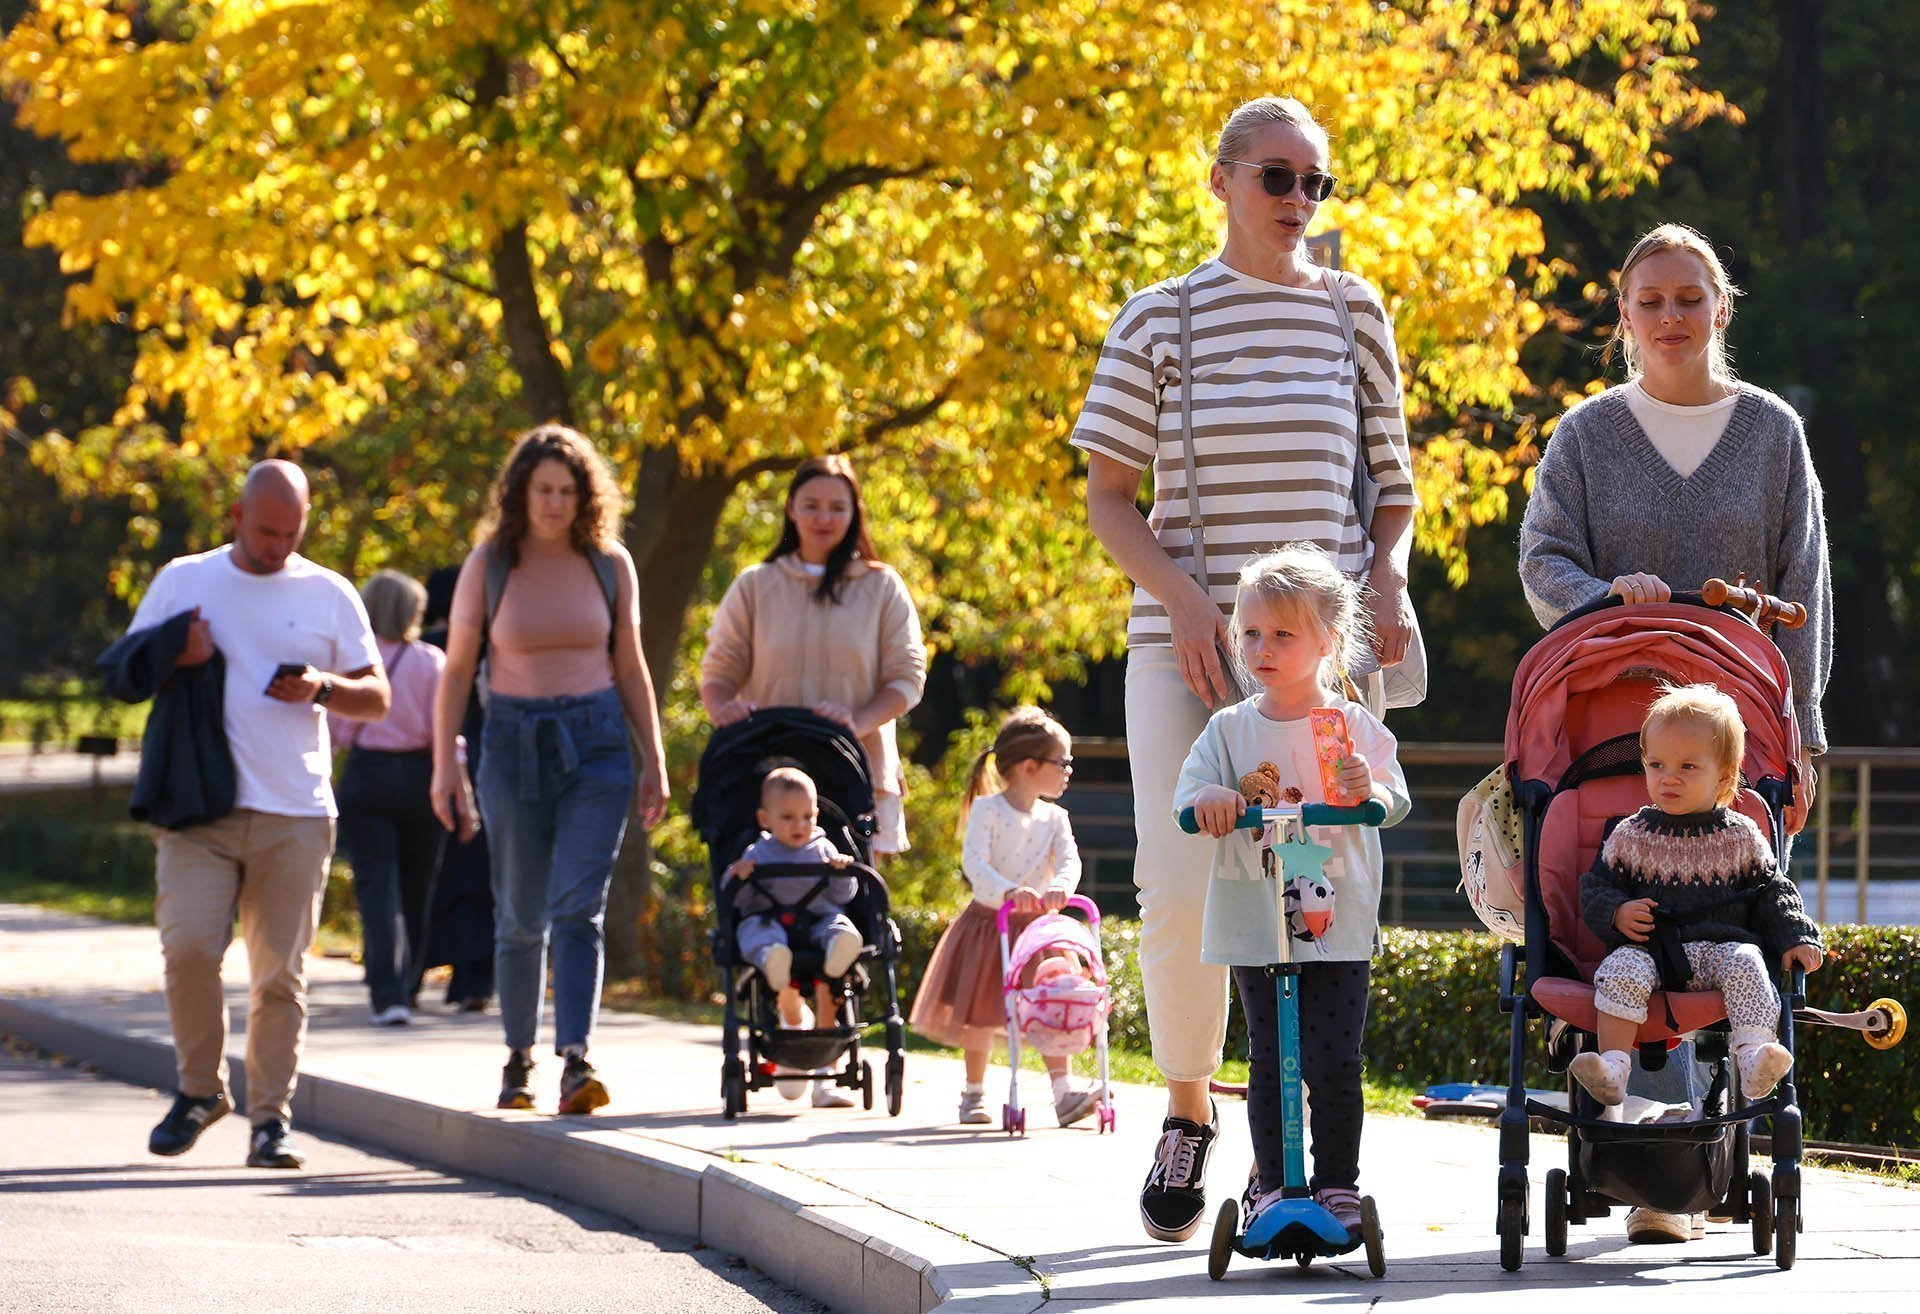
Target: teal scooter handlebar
{"x": 1370, "y": 813}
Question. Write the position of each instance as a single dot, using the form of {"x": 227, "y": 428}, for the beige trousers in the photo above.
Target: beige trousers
{"x": 272, "y": 870}
{"x": 1186, "y": 998}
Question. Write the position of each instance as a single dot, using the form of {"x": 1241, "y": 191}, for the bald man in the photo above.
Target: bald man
{"x": 295, "y": 643}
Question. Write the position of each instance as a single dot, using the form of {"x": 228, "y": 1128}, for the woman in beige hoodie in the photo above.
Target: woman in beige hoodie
{"x": 823, "y": 623}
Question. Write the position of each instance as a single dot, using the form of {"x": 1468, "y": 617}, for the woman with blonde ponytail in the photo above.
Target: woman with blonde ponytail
{"x": 1019, "y": 848}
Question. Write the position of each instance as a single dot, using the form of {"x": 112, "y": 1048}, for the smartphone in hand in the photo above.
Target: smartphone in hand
{"x": 286, "y": 668}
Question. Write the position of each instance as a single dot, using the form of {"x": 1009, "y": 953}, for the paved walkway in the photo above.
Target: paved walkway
{"x": 23, "y": 771}
{"x": 900, "y": 1215}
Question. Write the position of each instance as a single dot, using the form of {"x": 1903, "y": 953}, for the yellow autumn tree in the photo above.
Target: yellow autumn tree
{"x": 722, "y": 234}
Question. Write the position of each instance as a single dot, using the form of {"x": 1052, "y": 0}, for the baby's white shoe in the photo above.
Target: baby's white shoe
{"x": 1604, "y": 1075}
{"x": 1761, "y": 1067}
{"x": 776, "y": 965}
{"x": 842, "y": 952}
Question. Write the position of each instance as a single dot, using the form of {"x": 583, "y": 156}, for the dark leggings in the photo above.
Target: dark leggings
{"x": 1333, "y": 1015}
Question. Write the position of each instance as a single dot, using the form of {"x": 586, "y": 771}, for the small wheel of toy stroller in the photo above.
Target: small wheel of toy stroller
{"x": 1013, "y": 1121}
{"x": 1512, "y": 1221}
{"x": 1226, "y": 1230}
{"x": 1760, "y": 1206}
{"x": 896, "y": 1083}
{"x": 1557, "y": 1211}
{"x": 733, "y": 1088}
{"x": 1375, "y": 1239}
{"x": 866, "y": 1084}
{"x": 1106, "y": 1115}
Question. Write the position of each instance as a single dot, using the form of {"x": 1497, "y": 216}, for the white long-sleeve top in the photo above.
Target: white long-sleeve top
{"x": 1007, "y": 849}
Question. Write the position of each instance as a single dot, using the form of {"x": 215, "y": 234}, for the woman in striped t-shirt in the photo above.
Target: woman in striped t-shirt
{"x": 1275, "y": 442}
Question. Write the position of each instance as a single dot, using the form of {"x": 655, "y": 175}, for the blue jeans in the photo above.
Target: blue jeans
{"x": 393, "y": 842}
{"x": 556, "y": 782}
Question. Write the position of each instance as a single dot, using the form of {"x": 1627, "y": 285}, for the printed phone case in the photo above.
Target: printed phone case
{"x": 1330, "y": 745}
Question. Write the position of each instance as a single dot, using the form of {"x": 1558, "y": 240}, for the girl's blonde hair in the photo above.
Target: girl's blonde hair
{"x": 1706, "y": 706}
{"x": 1676, "y": 237}
{"x": 1026, "y": 735}
{"x": 1302, "y": 576}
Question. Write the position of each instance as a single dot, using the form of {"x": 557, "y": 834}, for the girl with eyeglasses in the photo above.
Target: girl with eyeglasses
{"x": 1277, "y": 433}
{"x": 1019, "y": 847}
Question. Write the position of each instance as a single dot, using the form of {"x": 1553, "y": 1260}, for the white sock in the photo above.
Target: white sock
{"x": 973, "y": 1088}
{"x": 1062, "y": 1084}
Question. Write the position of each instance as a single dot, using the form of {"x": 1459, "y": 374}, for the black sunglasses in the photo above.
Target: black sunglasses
{"x": 1279, "y": 179}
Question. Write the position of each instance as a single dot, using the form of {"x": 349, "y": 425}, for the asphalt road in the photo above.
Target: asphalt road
{"x": 90, "y": 1222}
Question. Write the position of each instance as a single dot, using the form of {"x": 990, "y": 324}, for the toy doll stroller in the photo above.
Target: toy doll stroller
{"x": 1060, "y": 1011}
{"x": 1573, "y": 755}
{"x": 736, "y": 760}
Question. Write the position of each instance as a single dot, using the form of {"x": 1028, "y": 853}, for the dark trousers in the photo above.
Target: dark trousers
{"x": 1333, "y": 1016}
{"x": 392, "y": 840}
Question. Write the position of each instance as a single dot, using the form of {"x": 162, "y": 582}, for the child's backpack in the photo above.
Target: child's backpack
{"x": 1488, "y": 830}
{"x": 1062, "y": 1010}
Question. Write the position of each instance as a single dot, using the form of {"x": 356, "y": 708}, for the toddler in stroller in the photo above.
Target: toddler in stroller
{"x": 1581, "y": 699}
{"x": 785, "y": 808}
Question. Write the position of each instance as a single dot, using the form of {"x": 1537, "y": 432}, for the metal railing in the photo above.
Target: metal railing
{"x": 1865, "y": 831}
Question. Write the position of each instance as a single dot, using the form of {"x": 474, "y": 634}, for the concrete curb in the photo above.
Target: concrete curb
{"x": 839, "y": 1248}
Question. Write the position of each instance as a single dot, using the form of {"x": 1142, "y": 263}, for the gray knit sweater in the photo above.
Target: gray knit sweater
{"x": 1606, "y": 503}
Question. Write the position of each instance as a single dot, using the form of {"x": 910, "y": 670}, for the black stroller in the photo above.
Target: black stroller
{"x": 736, "y": 760}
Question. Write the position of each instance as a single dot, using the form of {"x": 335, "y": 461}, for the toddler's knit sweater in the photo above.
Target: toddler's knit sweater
{"x": 1712, "y": 873}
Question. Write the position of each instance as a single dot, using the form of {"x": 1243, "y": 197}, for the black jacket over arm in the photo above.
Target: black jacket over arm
{"x": 186, "y": 767}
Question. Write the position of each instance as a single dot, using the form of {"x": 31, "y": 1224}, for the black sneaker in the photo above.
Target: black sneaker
{"x": 1175, "y": 1196}
{"x": 176, "y": 1133}
{"x": 272, "y": 1148}
{"x": 580, "y": 1088}
{"x": 516, "y": 1081}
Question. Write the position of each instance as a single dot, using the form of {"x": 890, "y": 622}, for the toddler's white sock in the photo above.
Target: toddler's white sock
{"x": 1062, "y": 1083}
{"x": 973, "y": 1088}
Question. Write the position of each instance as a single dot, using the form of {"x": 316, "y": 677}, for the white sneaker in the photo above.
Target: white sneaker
{"x": 776, "y": 965}
{"x": 1657, "y": 1227}
{"x": 394, "y": 1015}
{"x": 1603, "y": 1075}
{"x": 1761, "y": 1067}
{"x": 973, "y": 1107}
{"x": 826, "y": 1095}
{"x": 1071, "y": 1105}
{"x": 841, "y": 953}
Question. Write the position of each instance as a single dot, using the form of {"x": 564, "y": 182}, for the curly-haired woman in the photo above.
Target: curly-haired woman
{"x": 550, "y": 597}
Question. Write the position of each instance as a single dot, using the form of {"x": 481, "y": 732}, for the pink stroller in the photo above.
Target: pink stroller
{"x": 1063, "y": 1008}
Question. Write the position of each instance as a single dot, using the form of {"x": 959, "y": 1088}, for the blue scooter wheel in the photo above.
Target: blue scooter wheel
{"x": 1226, "y": 1231}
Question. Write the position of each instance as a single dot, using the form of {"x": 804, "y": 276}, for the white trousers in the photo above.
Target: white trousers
{"x": 1186, "y": 998}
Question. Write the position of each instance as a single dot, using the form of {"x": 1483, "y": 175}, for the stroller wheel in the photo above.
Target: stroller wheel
{"x": 1786, "y": 1229}
{"x": 1760, "y": 1206}
{"x": 733, "y": 1088}
{"x": 1512, "y": 1220}
{"x": 1375, "y": 1239}
{"x": 1557, "y": 1212}
{"x": 896, "y": 1083}
{"x": 1106, "y": 1115}
{"x": 866, "y": 1084}
{"x": 1226, "y": 1230}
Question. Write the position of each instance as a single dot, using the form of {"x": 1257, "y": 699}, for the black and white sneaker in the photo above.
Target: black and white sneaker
{"x": 1175, "y": 1196}
{"x": 271, "y": 1147}
{"x": 176, "y": 1133}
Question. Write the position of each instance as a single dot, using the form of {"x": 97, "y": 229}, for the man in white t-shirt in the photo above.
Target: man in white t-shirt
{"x": 296, "y": 644}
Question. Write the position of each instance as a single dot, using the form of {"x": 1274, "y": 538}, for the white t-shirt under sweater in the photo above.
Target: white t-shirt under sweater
{"x": 1683, "y": 435}
{"x": 1007, "y": 849}
{"x": 1243, "y": 912}
{"x": 1273, "y": 421}
{"x": 300, "y": 613}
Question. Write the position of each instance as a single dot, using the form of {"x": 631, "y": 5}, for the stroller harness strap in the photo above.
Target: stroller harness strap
{"x": 1670, "y": 952}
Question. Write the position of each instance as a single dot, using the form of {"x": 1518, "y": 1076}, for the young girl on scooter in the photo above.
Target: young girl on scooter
{"x": 1295, "y": 620}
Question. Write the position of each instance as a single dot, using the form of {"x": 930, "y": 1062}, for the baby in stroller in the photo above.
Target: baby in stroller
{"x": 789, "y": 819}
{"x": 1687, "y": 896}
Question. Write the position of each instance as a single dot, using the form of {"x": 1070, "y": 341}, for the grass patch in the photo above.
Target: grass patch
{"x": 54, "y": 712}
{"x": 1900, "y": 1172}
{"x": 338, "y": 934}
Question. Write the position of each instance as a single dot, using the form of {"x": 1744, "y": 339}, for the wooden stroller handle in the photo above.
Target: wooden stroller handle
{"x": 1764, "y": 608}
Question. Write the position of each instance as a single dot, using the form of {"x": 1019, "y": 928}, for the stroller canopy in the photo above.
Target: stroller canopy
{"x": 739, "y": 755}
{"x": 1560, "y": 706}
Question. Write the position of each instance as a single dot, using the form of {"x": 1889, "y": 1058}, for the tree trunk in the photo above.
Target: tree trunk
{"x": 1868, "y": 648}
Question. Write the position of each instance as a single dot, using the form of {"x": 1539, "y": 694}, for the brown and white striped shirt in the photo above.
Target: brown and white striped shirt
{"x": 1273, "y": 422}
